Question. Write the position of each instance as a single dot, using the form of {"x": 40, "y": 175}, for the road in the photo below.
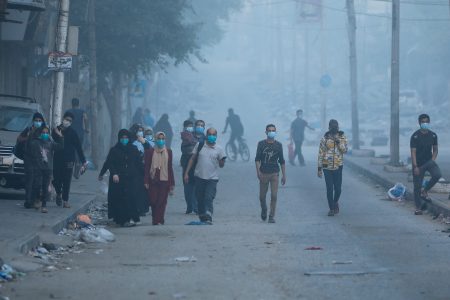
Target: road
{"x": 388, "y": 252}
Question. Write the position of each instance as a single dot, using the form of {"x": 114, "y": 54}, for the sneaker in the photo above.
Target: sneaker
{"x": 44, "y": 210}
{"x": 271, "y": 220}
{"x": 264, "y": 214}
{"x": 58, "y": 199}
{"x": 418, "y": 212}
{"x": 331, "y": 213}
{"x": 66, "y": 204}
{"x": 336, "y": 209}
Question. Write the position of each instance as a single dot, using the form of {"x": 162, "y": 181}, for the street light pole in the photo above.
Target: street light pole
{"x": 61, "y": 34}
{"x": 395, "y": 85}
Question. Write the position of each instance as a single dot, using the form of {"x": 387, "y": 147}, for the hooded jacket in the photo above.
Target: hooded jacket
{"x": 331, "y": 152}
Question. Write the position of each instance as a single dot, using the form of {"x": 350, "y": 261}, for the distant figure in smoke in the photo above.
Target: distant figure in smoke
{"x": 237, "y": 129}
{"x": 124, "y": 163}
{"x": 332, "y": 148}
{"x": 138, "y": 117}
{"x": 298, "y": 136}
{"x": 192, "y": 117}
{"x": 163, "y": 125}
{"x": 424, "y": 151}
{"x": 148, "y": 119}
{"x": 80, "y": 125}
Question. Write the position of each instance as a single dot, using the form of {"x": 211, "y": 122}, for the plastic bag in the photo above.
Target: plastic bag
{"x": 397, "y": 192}
{"x": 99, "y": 235}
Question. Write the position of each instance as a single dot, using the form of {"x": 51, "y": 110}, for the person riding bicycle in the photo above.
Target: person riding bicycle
{"x": 237, "y": 129}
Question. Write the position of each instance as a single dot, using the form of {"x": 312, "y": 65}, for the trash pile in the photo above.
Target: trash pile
{"x": 7, "y": 273}
{"x": 84, "y": 230}
{"x": 397, "y": 193}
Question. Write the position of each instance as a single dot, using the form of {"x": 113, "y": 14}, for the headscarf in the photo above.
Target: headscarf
{"x": 160, "y": 161}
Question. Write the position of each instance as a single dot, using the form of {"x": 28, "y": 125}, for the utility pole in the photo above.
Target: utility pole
{"x": 306, "y": 70}
{"x": 61, "y": 35}
{"x": 93, "y": 94}
{"x": 395, "y": 85}
{"x": 353, "y": 72}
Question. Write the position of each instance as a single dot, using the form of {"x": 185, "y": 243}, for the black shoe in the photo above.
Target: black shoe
{"x": 418, "y": 212}
{"x": 424, "y": 206}
{"x": 263, "y": 215}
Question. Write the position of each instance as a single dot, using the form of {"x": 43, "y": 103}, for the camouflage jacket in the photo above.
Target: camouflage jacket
{"x": 331, "y": 152}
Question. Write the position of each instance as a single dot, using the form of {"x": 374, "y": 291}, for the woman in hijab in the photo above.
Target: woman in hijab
{"x": 163, "y": 125}
{"x": 159, "y": 179}
{"x": 137, "y": 140}
{"x": 125, "y": 165}
{"x": 332, "y": 148}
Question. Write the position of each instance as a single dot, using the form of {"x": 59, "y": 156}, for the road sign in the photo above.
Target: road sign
{"x": 325, "y": 81}
{"x": 59, "y": 61}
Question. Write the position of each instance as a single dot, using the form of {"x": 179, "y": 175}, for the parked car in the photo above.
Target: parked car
{"x": 16, "y": 113}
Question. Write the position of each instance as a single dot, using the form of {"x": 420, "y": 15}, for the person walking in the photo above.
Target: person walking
{"x": 332, "y": 148}
{"x": 208, "y": 157}
{"x": 148, "y": 135}
{"x": 137, "y": 140}
{"x": 269, "y": 160}
{"x": 64, "y": 160}
{"x": 163, "y": 125}
{"x": 237, "y": 129}
{"x": 148, "y": 119}
{"x": 424, "y": 151}
{"x": 188, "y": 142}
{"x": 124, "y": 163}
{"x": 199, "y": 131}
{"x": 159, "y": 178}
{"x": 192, "y": 117}
{"x": 298, "y": 136}
{"x": 41, "y": 150}
{"x": 80, "y": 125}
{"x": 20, "y": 151}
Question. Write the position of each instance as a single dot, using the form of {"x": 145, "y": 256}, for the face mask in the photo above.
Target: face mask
{"x": 149, "y": 137}
{"x": 199, "y": 130}
{"x": 140, "y": 134}
{"x": 66, "y": 123}
{"x": 37, "y": 124}
{"x": 271, "y": 134}
{"x": 190, "y": 129}
{"x": 212, "y": 139}
{"x": 161, "y": 143}
{"x": 124, "y": 141}
{"x": 425, "y": 126}
{"x": 45, "y": 136}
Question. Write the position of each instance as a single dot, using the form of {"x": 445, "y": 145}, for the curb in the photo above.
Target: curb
{"x": 33, "y": 240}
{"x": 435, "y": 208}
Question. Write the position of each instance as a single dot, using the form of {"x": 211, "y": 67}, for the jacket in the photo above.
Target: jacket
{"x": 41, "y": 152}
{"x": 148, "y": 164}
{"x": 331, "y": 151}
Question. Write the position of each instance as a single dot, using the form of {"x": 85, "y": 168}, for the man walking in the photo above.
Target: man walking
{"x": 209, "y": 157}
{"x": 269, "y": 158}
{"x": 424, "y": 151}
{"x": 298, "y": 136}
{"x": 80, "y": 125}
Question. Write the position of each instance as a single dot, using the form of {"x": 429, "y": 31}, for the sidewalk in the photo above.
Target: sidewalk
{"x": 374, "y": 171}
{"x": 22, "y": 228}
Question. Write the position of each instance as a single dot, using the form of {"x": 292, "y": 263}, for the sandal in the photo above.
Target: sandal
{"x": 66, "y": 204}
{"x": 418, "y": 212}
{"x": 44, "y": 210}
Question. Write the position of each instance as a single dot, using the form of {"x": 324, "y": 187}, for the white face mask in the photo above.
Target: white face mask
{"x": 66, "y": 123}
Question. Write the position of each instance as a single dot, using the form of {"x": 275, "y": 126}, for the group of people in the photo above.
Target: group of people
{"x": 49, "y": 157}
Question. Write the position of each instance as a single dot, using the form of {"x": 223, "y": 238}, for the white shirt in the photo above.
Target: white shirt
{"x": 208, "y": 161}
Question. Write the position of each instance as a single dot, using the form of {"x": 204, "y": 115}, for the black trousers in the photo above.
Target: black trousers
{"x": 41, "y": 182}
{"x": 435, "y": 173}
{"x": 62, "y": 178}
{"x": 298, "y": 152}
{"x": 333, "y": 180}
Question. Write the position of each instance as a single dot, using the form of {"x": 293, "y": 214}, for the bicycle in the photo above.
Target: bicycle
{"x": 243, "y": 150}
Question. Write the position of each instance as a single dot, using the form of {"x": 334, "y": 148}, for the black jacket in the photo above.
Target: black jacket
{"x": 41, "y": 152}
{"x": 72, "y": 144}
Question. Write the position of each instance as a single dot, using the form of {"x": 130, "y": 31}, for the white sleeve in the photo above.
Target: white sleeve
{"x": 194, "y": 151}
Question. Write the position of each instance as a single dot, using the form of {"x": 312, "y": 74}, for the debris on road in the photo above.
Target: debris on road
{"x": 99, "y": 251}
{"x": 397, "y": 193}
{"x": 98, "y": 235}
{"x": 198, "y": 223}
{"x": 345, "y": 262}
{"x": 314, "y": 248}
{"x": 346, "y": 273}
{"x": 186, "y": 259}
{"x": 179, "y": 296}
{"x": 7, "y": 273}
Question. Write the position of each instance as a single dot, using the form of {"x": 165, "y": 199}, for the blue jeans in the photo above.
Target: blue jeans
{"x": 333, "y": 180}
{"x": 205, "y": 190}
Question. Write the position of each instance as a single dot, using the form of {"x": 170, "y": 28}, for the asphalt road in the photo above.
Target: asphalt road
{"x": 374, "y": 249}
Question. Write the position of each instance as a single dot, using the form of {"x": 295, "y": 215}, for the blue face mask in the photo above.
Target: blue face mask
{"x": 190, "y": 129}
{"x": 37, "y": 124}
{"x": 45, "y": 136}
{"x": 161, "y": 143}
{"x": 199, "y": 130}
{"x": 149, "y": 137}
{"x": 425, "y": 126}
{"x": 271, "y": 134}
{"x": 140, "y": 134}
{"x": 212, "y": 139}
{"x": 124, "y": 141}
